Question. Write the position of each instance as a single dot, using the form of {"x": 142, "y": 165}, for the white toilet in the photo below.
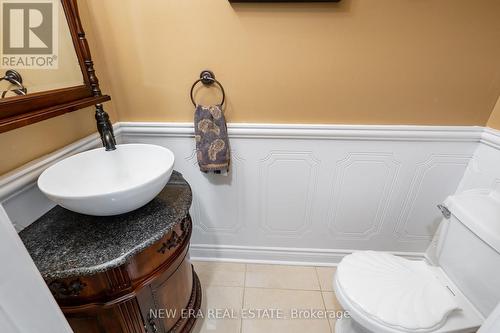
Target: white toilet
{"x": 388, "y": 294}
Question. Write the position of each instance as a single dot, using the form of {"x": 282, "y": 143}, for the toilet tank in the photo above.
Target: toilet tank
{"x": 469, "y": 246}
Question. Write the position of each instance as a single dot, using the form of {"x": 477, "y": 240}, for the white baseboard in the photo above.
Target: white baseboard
{"x": 282, "y": 256}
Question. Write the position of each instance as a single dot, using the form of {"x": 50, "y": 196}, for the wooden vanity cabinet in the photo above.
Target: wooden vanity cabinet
{"x": 155, "y": 291}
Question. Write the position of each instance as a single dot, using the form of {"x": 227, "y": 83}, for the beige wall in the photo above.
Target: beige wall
{"x": 27, "y": 143}
{"x": 359, "y": 61}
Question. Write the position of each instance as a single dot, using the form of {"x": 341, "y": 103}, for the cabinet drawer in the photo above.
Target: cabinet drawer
{"x": 162, "y": 253}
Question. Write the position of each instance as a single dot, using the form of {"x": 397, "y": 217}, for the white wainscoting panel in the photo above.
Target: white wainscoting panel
{"x": 424, "y": 194}
{"x": 484, "y": 169}
{"x": 304, "y": 193}
{"x": 21, "y": 214}
{"x": 312, "y": 193}
{"x": 296, "y": 174}
{"x": 227, "y": 189}
{"x": 363, "y": 187}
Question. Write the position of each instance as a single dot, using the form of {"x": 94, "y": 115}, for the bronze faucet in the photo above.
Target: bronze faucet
{"x": 105, "y": 128}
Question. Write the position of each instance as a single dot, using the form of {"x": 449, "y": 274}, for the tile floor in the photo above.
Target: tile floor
{"x": 258, "y": 288}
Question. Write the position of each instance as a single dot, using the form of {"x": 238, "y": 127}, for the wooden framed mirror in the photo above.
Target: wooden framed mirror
{"x": 17, "y": 109}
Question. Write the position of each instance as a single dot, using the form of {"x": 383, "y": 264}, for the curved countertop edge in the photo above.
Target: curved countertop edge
{"x": 91, "y": 270}
{"x": 157, "y": 212}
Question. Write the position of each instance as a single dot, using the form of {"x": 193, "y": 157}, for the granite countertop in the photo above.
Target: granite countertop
{"x": 65, "y": 244}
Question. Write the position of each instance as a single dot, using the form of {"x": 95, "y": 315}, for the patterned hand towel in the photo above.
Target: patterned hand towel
{"x": 212, "y": 142}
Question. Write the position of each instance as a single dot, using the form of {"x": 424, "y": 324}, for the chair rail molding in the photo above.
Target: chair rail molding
{"x": 292, "y": 187}
{"x": 315, "y": 131}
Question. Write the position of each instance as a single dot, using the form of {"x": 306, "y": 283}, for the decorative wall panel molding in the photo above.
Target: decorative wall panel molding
{"x": 363, "y": 186}
{"x": 288, "y": 182}
{"x": 483, "y": 171}
{"x": 320, "y": 187}
{"x": 221, "y": 211}
{"x": 293, "y": 190}
{"x": 419, "y": 218}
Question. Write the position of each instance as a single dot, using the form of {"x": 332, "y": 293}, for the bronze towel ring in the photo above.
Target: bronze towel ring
{"x": 16, "y": 79}
{"x": 208, "y": 78}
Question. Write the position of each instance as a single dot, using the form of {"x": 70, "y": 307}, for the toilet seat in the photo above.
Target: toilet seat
{"x": 385, "y": 293}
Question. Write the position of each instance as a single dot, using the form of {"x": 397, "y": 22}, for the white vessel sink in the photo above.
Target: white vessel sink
{"x": 103, "y": 183}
